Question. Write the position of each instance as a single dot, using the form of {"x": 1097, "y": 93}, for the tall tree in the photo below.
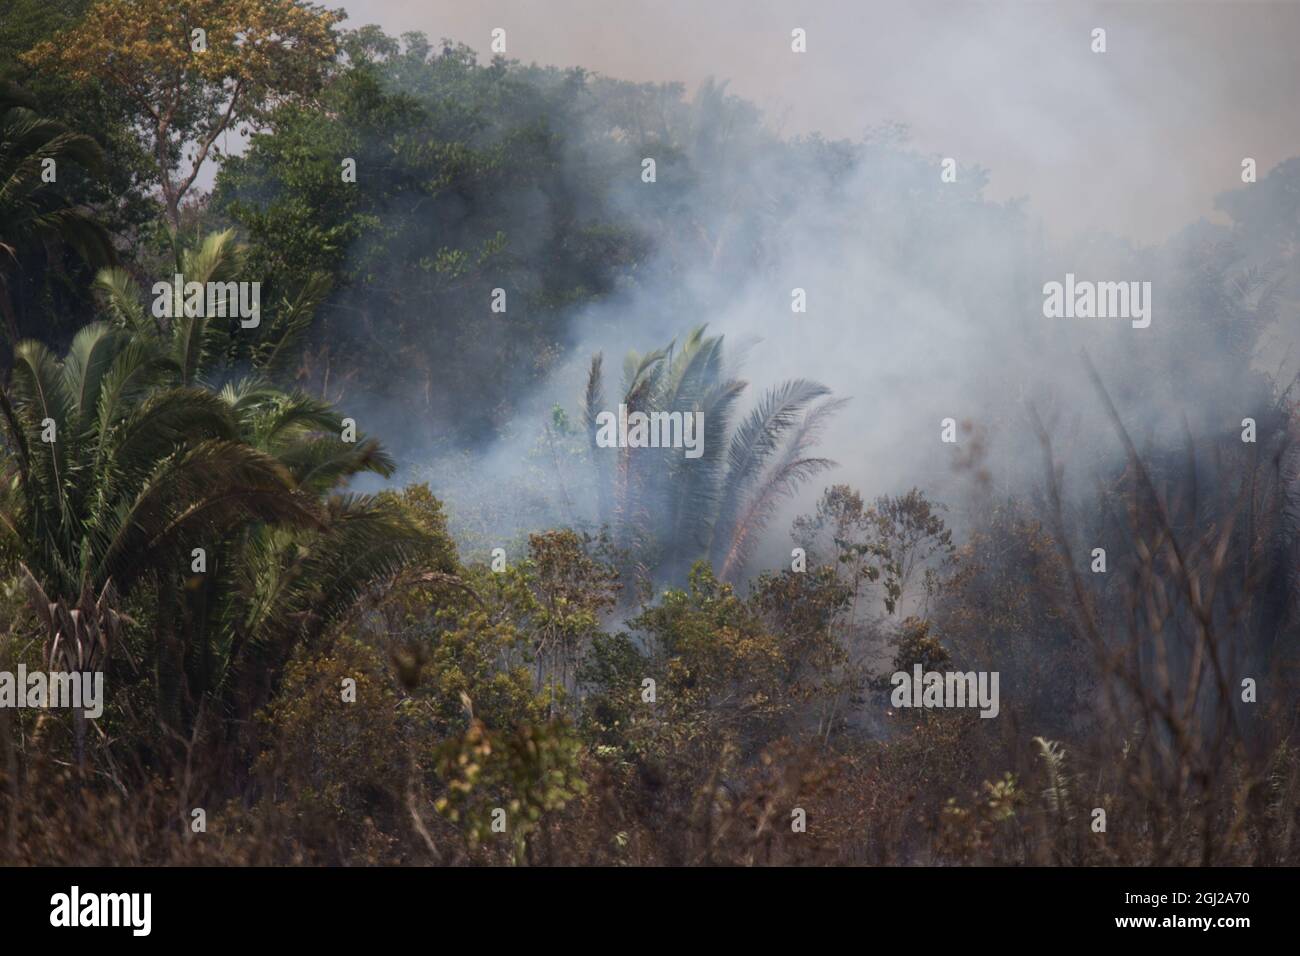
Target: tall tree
{"x": 467, "y": 182}
{"x": 194, "y": 69}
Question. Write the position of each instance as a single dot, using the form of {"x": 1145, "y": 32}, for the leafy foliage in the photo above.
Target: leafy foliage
{"x": 34, "y": 211}
{"x": 254, "y": 53}
{"x": 668, "y": 509}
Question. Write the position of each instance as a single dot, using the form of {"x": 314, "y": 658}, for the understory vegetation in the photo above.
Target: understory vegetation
{"x": 310, "y": 657}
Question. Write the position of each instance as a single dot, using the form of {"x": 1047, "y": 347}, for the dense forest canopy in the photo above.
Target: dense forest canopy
{"x": 365, "y": 582}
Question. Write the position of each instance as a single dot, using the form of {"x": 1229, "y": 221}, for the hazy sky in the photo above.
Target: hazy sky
{"x": 1135, "y": 141}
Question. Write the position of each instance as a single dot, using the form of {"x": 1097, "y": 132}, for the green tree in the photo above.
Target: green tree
{"x": 274, "y": 584}
{"x": 112, "y": 473}
{"x": 669, "y": 509}
{"x": 189, "y": 89}
{"x": 466, "y": 183}
{"x": 34, "y": 212}
{"x": 140, "y": 446}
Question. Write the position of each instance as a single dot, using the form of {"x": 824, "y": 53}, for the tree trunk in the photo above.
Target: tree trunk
{"x": 166, "y": 674}
{"x": 79, "y": 737}
{"x": 11, "y": 782}
{"x": 11, "y": 327}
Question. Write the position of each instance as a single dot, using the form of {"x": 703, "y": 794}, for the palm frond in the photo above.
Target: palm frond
{"x": 276, "y": 347}
{"x": 1057, "y": 794}
{"x": 194, "y": 497}
{"x": 120, "y": 299}
{"x": 783, "y": 480}
{"x": 752, "y": 445}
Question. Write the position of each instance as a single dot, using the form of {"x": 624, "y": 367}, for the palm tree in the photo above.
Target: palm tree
{"x": 139, "y": 448}
{"x": 31, "y": 213}
{"x": 670, "y": 510}
{"x": 269, "y": 585}
{"x": 283, "y": 584}
{"x": 198, "y": 344}
{"x": 113, "y": 472}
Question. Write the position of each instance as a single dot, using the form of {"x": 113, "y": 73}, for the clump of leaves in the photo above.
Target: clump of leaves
{"x": 505, "y": 782}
